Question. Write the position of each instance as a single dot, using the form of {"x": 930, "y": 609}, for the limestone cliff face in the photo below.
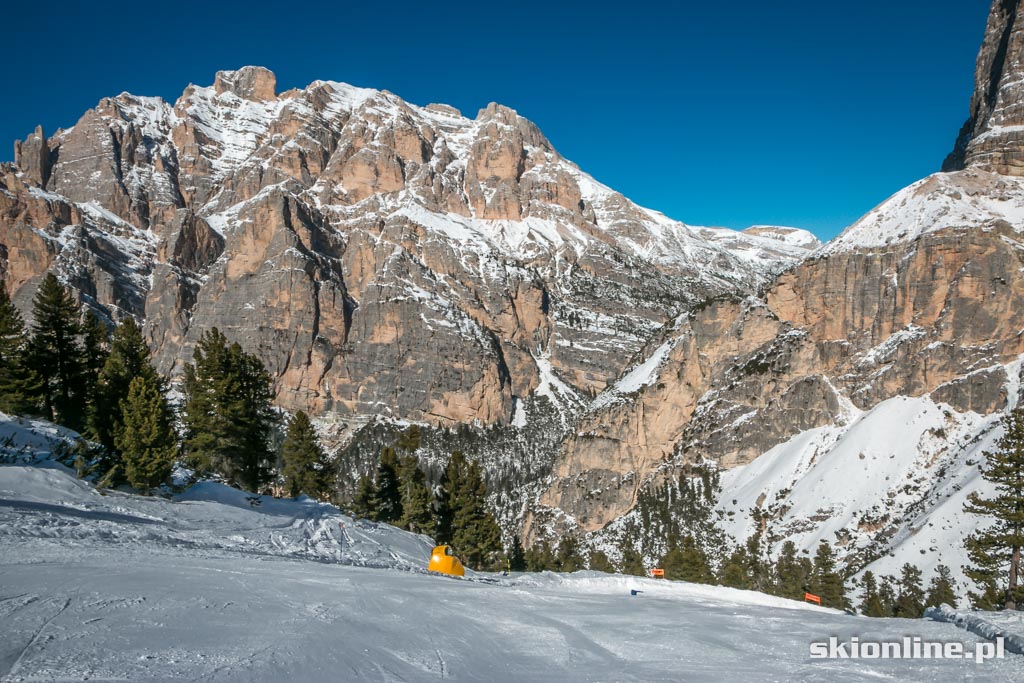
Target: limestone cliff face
{"x": 384, "y": 259}
{"x": 835, "y": 335}
{"x": 992, "y": 137}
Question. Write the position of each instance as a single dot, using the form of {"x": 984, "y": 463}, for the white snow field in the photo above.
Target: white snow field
{"x": 105, "y": 586}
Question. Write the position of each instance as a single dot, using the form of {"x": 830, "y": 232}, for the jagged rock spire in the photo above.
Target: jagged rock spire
{"x": 992, "y": 139}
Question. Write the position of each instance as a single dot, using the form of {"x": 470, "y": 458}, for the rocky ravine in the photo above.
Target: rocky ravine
{"x": 384, "y": 259}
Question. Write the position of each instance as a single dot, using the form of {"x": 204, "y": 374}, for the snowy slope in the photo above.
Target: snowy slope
{"x": 115, "y": 586}
{"x": 963, "y": 199}
{"x": 889, "y": 484}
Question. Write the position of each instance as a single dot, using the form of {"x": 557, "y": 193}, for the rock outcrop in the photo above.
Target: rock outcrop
{"x": 993, "y": 136}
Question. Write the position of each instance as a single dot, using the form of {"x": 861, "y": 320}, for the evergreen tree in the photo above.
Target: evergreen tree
{"x": 757, "y": 567}
{"x": 633, "y": 562}
{"x": 417, "y": 515}
{"x": 475, "y": 533}
{"x": 998, "y": 546}
{"x": 451, "y": 480}
{"x": 128, "y": 358}
{"x": 366, "y": 494}
{"x": 599, "y": 562}
{"x": 792, "y": 573}
{"x": 228, "y": 416}
{"x": 687, "y": 563}
{"x": 871, "y": 605}
{"x": 146, "y": 436}
{"x": 568, "y": 555}
{"x": 95, "y": 338}
{"x": 304, "y": 463}
{"x": 540, "y": 558}
{"x": 735, "y": 571}
{"x": 942, "y": 589}
{"x": 409, "y": 440}
{"x": 825, "y": 581}
{"x": 887, "y": 595}
{"x": 16, "y": 387}
{"x": 56, "y": 355}
{"x": 387, "y": 502}
{"x": 910, "y": 599}
{"x": 517, "y": 555}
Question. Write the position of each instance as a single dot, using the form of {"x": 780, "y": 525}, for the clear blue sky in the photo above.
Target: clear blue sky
{"x": 790, "y": 112}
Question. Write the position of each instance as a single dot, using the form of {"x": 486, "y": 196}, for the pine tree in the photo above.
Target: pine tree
{"x": 475, "y": 533}
{"x": 791, "y": 573}
{"x": 633, "y": 562}
{"x": 387, "y": 502}
{"x": 128, "y": 358}
{"x": 366, "y": 494}
{"x": 825, "y": 581}
{"x": 95, "y": 343}
{"x": 998, "y": 546}
{"x": 228, "y": 416}
{"x": 16, "y": 387}
{"x": 304, "y": 464}
{"x": 871, "y": 604}
{"x": 540, "y": 558}
{"x": 887, "y": 595}
{"x": 910, "y": 599}
{"x": 517, "y": 555}
{"x": 417, "y": 515}
{"x": 757, "y": 567}
{"x": 442, "y": 498}
{"x": 409, "y": 440}
{"x": 687, "y": 563}
{"x": 568, "y": 556}
{"x": 599, "y": 562}
{"x": 942, "y": 589}
{"x": 735, "y": 571}
{"x": 146, "y": 435}
{"x": 56, "y": 355}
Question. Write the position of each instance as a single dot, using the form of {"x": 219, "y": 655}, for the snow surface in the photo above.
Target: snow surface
{"x": 963, "y": 199}
{"x": 113, "y": 586}
{"x": 903, "y": 470}
{"x": 635, "y": 379}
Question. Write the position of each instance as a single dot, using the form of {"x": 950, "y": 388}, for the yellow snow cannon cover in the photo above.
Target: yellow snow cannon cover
{"x": 443, "y": 561}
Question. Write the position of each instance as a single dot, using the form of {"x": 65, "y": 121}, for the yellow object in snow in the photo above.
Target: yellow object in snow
{"x": 443, "y": 561}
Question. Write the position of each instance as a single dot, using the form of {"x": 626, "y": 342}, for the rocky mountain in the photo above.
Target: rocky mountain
{"x": 384, "y": 259}
{"x": 851, "y": 400}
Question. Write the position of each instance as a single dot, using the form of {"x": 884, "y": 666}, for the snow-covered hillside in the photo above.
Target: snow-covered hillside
{"x": 889, "y": 484}
{"x": 962, "y": 199}
{"x": 108, "y": 585}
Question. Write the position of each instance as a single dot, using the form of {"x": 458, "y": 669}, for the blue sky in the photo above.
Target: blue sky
{"x": 789, "y": 112}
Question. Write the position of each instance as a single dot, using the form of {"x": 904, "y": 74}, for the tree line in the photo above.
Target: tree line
{"x": 75, "y": 372}
{"x": 452, "y": 510}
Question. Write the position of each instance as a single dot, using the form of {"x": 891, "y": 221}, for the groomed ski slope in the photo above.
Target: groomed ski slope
{"x": 206, "y": 587}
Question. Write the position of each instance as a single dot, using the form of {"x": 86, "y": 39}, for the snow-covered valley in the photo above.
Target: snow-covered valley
{"x": 106, "y": 585}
